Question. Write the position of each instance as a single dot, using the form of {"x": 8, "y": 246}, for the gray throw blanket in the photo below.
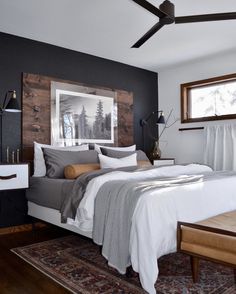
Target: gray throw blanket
{"x": 73, "y": 193}
{"x": 114, "y": 207}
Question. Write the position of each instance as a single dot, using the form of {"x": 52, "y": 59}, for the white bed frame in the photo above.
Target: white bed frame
{"x": 53, "y": 216}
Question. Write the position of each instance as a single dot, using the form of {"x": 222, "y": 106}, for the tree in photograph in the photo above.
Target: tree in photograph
{"x": 83, "y": 123}
{"x": 66, "y": 118}
{"x": 108, "y": 122}
{"x": 107, "y": 126}
{"x": 99, "y": 123}
{"x": 76, "y": 118}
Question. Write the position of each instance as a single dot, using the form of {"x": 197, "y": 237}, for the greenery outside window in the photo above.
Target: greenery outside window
{"x": 211, "y": 99}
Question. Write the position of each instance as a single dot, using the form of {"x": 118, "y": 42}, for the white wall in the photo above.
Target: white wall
{"x": 187, "y": 146}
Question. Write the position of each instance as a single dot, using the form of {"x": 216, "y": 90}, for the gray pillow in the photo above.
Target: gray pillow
{"x": 141, "y": 156}
{"x": 57, "y": 160}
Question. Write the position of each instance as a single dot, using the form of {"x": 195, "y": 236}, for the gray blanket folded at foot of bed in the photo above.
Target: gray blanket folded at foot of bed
{"x": 74, "y": 194}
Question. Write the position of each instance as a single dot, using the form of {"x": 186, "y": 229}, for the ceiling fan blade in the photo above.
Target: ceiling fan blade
{"x": 205, "y": 17}
{"x": 148, "y": 35}
{"x": 151, "y": 8}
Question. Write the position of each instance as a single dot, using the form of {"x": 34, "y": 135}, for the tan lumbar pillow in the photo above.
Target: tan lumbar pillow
{"x": 73, "y": 171}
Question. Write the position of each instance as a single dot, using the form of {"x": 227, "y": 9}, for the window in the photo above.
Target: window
{"x": 211, "y": 99}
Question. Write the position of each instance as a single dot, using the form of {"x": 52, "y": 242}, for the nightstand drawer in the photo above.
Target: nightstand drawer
{"x": 164, "y": 161}
{"x": 14, "y": 176}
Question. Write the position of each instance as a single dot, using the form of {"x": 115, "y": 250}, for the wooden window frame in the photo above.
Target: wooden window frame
{"x": 185, "y": 89}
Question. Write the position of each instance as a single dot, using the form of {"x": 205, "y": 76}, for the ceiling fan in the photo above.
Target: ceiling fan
{"x": 166, "y": 14}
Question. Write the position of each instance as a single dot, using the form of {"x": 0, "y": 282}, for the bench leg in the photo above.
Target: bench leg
{"x": 195, "y": 268}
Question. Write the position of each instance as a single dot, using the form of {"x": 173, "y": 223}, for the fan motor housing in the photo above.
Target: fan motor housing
{"x": 168, "y": 8}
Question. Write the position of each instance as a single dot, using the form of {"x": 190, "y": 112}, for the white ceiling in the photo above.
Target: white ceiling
{"x": 108, "y": 28}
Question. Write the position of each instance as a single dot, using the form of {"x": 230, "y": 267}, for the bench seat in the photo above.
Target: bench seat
{"x": 212, "y": 239}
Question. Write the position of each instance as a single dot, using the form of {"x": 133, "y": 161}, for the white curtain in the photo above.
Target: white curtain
{"x": 220, "y": 147}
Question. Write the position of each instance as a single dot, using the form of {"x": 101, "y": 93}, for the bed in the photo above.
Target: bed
{"x": 160, "y": 197}
{"x": 140, "y": 207}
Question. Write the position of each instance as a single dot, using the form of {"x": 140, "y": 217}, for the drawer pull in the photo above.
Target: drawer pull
{"x": 8, "y": 177}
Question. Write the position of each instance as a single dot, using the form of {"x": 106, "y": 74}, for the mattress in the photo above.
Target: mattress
{"x": 47, "y": 192}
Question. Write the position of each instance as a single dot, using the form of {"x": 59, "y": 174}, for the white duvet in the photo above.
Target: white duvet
{"x": 154, "y": 222}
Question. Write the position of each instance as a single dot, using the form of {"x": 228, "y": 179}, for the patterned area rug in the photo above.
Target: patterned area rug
{"x": 77, "y": 264}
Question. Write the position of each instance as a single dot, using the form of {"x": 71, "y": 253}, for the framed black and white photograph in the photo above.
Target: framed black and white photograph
{"x": 82, "y": 118}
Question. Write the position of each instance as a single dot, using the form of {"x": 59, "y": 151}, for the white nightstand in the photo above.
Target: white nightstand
{"x": 14, "y": 176}
{"x": 164, "y": 161}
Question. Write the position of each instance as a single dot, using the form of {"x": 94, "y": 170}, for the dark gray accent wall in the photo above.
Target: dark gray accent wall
{"x": 19, "y": 55}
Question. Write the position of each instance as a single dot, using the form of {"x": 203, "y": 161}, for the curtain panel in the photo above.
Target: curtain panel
{"x": 220, "y": 147}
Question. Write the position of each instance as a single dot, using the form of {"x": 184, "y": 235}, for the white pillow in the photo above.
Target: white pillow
{"x": 129, "y": 148}
{"x": 110, "y": 162}
{"x": 39, "y": 163}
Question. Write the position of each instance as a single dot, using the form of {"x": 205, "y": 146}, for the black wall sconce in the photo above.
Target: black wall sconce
{"x": 156, "y": 152}
{"x": 144, "y": 122}
{"x": 10, "y": 104}
{"x": 160, "y": 120}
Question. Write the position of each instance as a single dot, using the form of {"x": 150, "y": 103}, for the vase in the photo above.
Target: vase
{"x": 156, "y": 151}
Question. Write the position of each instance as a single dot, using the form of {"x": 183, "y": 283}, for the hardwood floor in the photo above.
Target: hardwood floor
{"x": 19, "y": 277}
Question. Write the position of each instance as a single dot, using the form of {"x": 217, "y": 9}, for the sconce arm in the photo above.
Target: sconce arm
{"x": 144, "y": 122}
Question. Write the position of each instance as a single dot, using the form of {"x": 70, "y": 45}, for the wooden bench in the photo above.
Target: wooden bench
{"x": 212, "y": 239}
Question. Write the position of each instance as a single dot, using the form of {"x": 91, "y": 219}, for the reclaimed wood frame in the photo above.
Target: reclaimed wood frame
{"x": 36, "y": 106}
